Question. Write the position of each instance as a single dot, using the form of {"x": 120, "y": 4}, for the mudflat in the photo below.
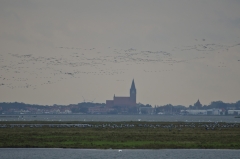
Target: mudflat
{"x": 120, "y": 135}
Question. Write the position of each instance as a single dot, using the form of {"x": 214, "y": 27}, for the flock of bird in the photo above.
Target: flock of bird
{"x": 31, "y": 70}
{"x": 170, "y": 127}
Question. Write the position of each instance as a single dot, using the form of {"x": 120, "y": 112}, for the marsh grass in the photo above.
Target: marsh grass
{"x": 116, "y": 138}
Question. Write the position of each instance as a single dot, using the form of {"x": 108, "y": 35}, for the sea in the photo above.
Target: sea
{"x": 114, "y": 118}
{"x": 58, "y": 153}
{"x": 49, "y": 153}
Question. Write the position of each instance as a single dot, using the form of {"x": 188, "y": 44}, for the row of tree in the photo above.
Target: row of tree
{"x": 83, "y": 107}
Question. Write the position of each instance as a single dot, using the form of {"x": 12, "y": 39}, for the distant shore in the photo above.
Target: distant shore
{"x": 119, "y": 135}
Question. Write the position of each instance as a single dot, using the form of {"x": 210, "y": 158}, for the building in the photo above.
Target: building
{"x": 234, "y": 112}
{"x": 213, "y": 111}
{"x": 124, "y": 101}
{"x": 99, "y": 110}
{"x": 198, "y": 105}
{"x": 146, "y": 110}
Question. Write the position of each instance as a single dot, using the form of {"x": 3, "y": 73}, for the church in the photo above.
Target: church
{"x": 124, "y": 101}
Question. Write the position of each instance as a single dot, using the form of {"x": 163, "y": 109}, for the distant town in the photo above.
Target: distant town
{"x": 123, "y": 105}
{"x": 215, "y": 108}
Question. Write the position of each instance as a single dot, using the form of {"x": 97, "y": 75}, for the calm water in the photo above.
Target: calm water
{"x": 25, "y": 153}
{"x": 169, "y": 118}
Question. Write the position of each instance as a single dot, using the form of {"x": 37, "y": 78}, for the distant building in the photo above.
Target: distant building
{"x": 198, "y": 105}
{"x": 234, "y": 112}
{"x": 202, "y": 112}
{"x": 194, "y": 112}
{"x": 146, "y": 110}
{"x": 124, "y": 101}
{"x": 99, "y": 110}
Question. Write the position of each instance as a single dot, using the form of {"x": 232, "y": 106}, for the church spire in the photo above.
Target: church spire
{"x": 133, "y": 85}
{"x": 133, "y": 92}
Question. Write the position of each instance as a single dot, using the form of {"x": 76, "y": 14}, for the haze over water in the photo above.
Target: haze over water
{"x": 67, "y": 52}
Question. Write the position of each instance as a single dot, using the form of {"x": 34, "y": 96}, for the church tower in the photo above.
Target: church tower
{"x": 133, "y": 92}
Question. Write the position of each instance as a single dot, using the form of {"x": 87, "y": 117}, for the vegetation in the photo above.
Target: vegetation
{"x": 127, "y": 135}
{"x": 8, "y": 108}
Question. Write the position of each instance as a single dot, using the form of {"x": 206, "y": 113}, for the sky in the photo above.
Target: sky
{"x": 67, "y": 52}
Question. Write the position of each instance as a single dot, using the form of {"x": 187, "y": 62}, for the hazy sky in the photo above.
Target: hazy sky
{"x": 65, "y": 52}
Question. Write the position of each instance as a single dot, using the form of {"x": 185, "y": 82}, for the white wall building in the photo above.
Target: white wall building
{"x": 232, "y": 112}
{"x": 202, "y": 112}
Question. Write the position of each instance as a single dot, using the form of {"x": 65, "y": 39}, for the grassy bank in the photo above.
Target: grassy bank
{"x": 120, "y": 135}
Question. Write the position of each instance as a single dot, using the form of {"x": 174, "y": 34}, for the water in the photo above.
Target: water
{"x": 29, "y": 153}
{"x": 165, "y": 118}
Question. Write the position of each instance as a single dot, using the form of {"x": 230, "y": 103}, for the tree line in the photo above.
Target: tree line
{"x": 83, "y": 107}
